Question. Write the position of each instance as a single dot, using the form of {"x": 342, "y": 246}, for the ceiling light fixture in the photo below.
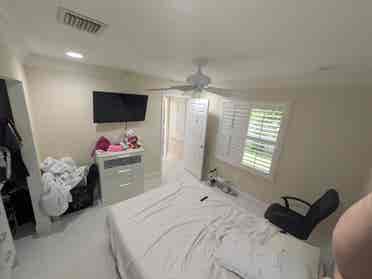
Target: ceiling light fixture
{"x": 74, "y": 54}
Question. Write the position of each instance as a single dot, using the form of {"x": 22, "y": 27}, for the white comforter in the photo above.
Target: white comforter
{"x": 170, "y": 233}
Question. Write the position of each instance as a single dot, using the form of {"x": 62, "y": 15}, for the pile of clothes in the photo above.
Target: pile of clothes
{"x": 59, "y": 178}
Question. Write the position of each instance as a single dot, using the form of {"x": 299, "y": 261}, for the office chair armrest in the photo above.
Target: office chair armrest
{"x": 287, "y": 198}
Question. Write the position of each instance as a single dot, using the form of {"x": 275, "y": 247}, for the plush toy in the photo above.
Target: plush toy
{"x": 131, "y": 139}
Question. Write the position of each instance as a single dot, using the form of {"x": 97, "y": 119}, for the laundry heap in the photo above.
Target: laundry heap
{"x": 59, "y": 178}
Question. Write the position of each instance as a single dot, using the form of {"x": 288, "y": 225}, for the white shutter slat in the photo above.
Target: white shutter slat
{"x": 240, "y": 126}
{"x": 232, "y": 132}
{"x": 227, "y": 117}
{"x": 225, "y": 131}
{"x": 262, "y": 135}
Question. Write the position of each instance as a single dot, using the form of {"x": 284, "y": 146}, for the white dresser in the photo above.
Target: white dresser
{"x": 121, "y": 175}
{"x": 7, "y": 249}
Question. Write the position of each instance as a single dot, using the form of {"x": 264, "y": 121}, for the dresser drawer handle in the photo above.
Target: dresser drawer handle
{"x": 124, "y": 185}
{"x": 3, "y": 236}
{"x": 124, "y": 171}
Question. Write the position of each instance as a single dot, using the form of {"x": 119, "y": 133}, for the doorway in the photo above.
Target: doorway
{"x": 173, "y": 135}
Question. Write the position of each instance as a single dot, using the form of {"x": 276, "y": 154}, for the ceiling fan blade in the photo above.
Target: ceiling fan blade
{"x": 176, "y": 87}
{"x": 220, "y": 91}
{"x": 159, "y": 89}
{"x": 184, "y": 87}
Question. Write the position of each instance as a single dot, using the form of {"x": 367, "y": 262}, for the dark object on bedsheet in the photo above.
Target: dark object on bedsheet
{"x": 83, "y": 195}
{"x": 298, "y": 225}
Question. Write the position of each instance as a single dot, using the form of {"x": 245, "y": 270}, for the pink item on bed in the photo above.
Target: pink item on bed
{"x": 115, "y": 148}
{"x": 102, "y": 144}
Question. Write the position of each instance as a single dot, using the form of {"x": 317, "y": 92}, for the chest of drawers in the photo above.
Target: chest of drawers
{"x": 121, "y": 175}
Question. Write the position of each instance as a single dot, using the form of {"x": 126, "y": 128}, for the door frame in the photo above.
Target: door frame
{"x": 164, "y": 122}
{"x": 164, "y": 126}
{"x": 22, "y": 118}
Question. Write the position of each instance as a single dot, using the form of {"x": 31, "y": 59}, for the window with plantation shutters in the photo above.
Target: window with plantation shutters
{"x": 232, "y": 131}
{"x": 250, "y": 135}
{"x": 262, "y": 138}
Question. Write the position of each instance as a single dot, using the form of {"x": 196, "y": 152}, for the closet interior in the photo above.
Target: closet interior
{"x": 13, "y": 172}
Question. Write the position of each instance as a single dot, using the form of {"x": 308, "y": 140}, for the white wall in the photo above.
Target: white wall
{"x": 328, "y": 143}
{"x": 12, "y": 70}
{"x": 61, "y": 101}
{"x": 368, "y": 183}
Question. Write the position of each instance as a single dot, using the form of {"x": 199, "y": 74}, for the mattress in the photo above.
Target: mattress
{"x": 169, "y": 231}
{"x": 174, "y": 230}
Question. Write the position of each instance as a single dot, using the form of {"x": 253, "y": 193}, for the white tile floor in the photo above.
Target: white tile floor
{"x": 173, "y": 172}
{"x": 78, "y": 248}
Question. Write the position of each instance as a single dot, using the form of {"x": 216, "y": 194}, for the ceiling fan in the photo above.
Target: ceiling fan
{"x": 197, "y": 82}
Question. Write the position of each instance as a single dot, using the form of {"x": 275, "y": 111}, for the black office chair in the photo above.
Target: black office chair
{"x": 298, "y": 225}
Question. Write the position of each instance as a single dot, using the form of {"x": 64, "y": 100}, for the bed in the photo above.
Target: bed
{"x": 174, "y": 231}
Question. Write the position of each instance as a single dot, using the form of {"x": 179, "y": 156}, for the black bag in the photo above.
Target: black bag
{"x": 83, "y": 194}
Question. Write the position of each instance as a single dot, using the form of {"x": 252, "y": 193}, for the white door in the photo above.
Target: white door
{"x": 195, "y": 136}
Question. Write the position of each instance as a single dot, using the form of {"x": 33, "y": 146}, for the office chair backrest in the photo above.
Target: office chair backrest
{"x": 322, "y": 208}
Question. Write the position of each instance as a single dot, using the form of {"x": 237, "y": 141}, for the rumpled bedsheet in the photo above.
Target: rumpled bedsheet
{"x": 170, "y": 233}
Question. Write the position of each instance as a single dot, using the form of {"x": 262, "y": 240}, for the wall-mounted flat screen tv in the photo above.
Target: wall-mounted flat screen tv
{"x": 118, "y": 107}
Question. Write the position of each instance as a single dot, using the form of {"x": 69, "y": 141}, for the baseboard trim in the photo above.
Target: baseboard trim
{"x": 152, "y": 180}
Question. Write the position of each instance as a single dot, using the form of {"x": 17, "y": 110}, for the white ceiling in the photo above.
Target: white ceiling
{"x": 248, "y": 42}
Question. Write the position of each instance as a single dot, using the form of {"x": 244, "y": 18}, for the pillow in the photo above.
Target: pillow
{"x": 282, "y": 257}
{"x": 247, "y": 257}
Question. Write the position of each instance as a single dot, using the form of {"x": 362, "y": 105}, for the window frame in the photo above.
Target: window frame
{"x": 279, "y": 142}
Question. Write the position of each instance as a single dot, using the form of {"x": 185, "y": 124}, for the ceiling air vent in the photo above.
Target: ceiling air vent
{"x": 79, "y": 21}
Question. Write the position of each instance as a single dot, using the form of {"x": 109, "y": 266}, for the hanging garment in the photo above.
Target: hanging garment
{"x": 5, "y": 164}
{"x": 10, "y": 138}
